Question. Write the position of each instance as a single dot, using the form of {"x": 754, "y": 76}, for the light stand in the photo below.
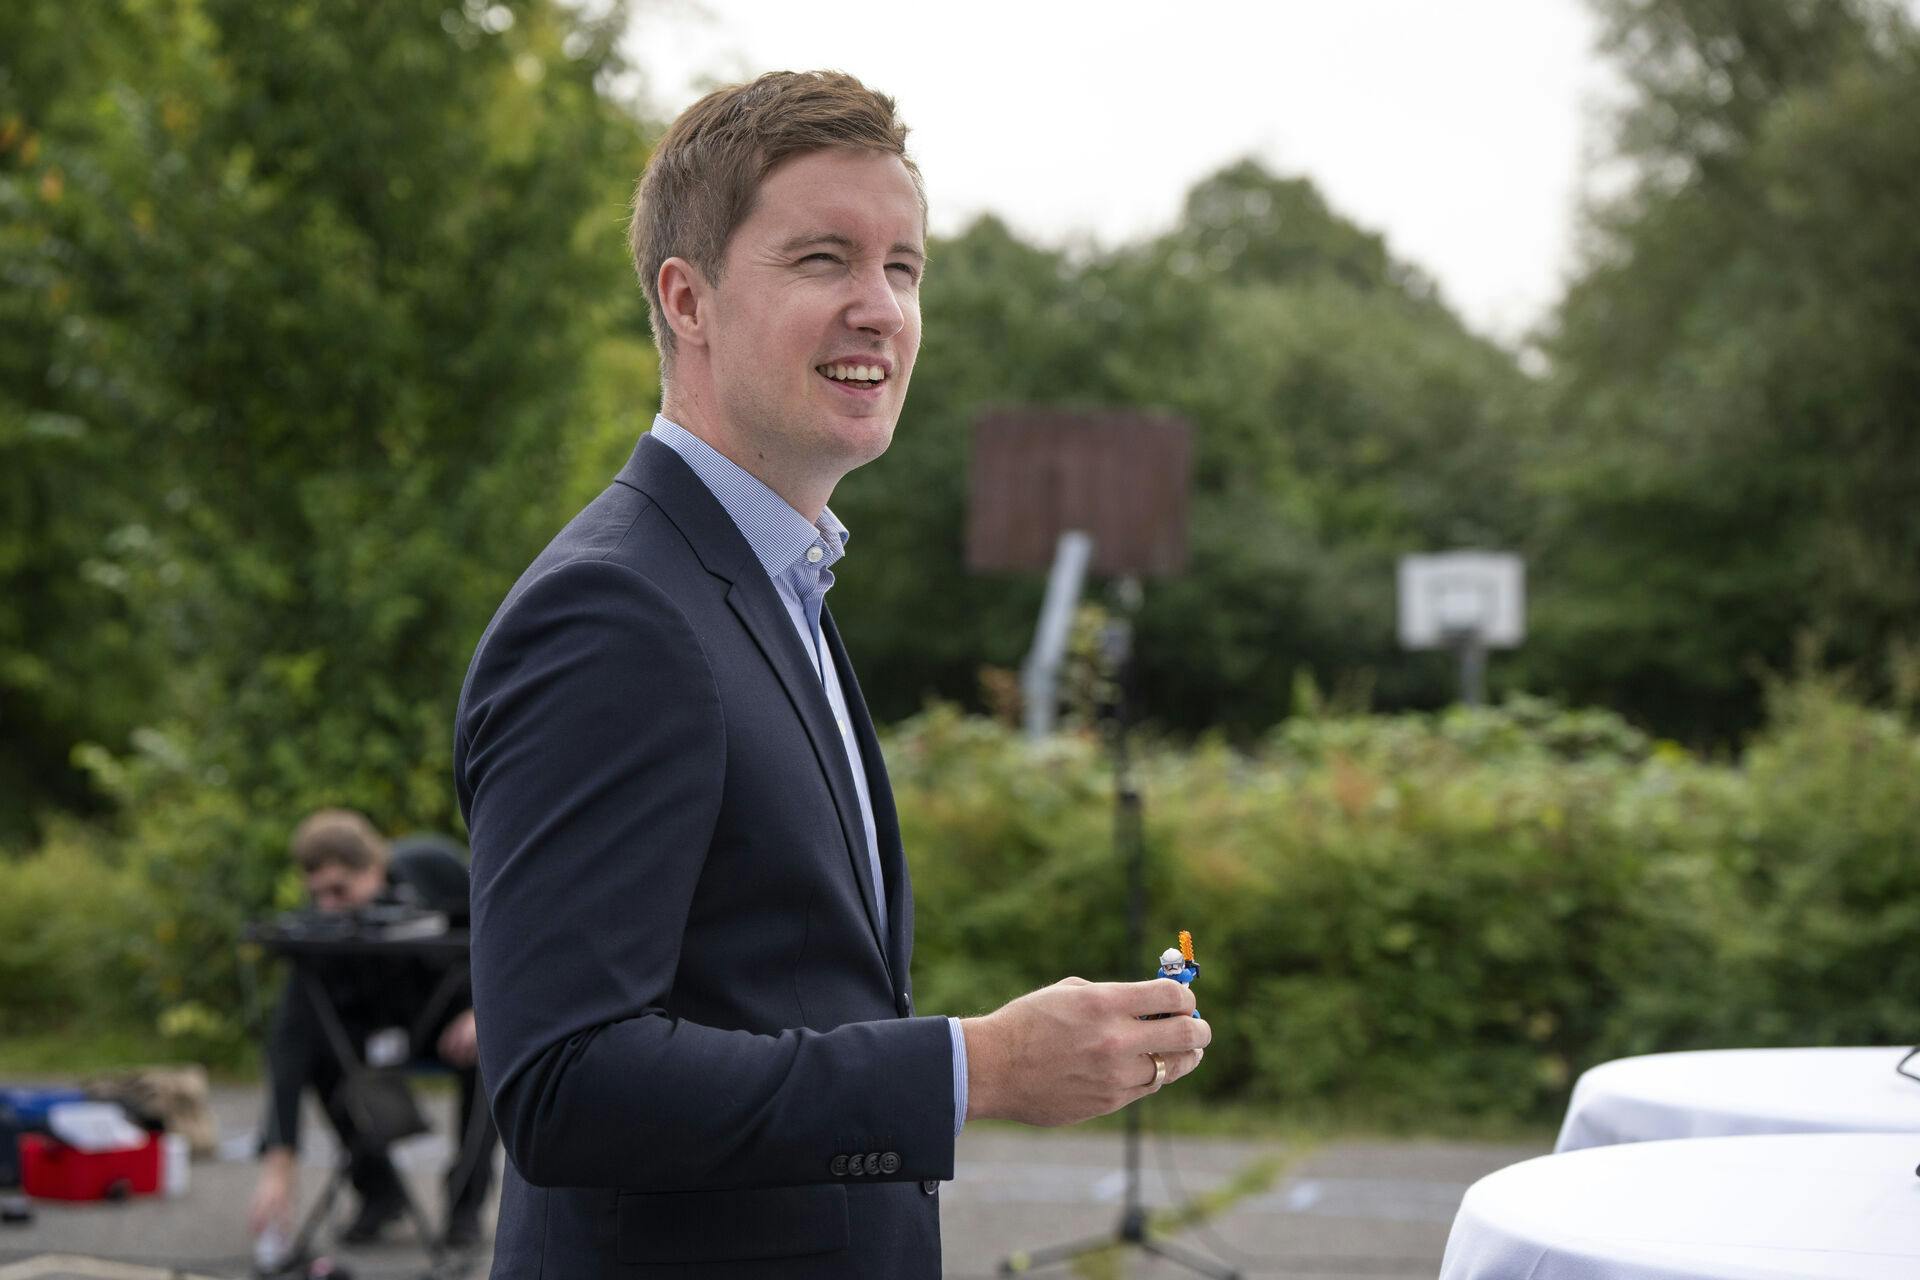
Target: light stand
{"x": 1116, "y": 643}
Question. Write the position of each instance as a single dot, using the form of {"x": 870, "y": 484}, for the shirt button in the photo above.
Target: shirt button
{"x": 814, "y": 554}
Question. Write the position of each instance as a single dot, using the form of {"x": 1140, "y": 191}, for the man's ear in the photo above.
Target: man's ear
{"x": 683, "y": 296}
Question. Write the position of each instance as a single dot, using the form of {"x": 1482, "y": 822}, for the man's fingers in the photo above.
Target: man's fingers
{"x": 268, "y": 1205}
{"x": 1158, "y": 995}
{"x": 1179, "y": 1063}
{"x": 1174, "y": 1035}
{"x": 1083, "y": 1052}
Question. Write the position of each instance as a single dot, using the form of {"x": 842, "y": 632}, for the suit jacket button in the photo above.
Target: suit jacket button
{"x": 873, "y": 1162}
{"x": 929, "y": 1187}
{"x": 889, "y": 1162}
{"x": 839, "y": 1166}
{"x": 856, "y": 1165}
{"x": 904, "y": 1005}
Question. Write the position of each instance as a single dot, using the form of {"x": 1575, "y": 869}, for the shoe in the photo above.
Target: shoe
{"x": 373, "y": 1218}
{"x": 463, "y": 1228}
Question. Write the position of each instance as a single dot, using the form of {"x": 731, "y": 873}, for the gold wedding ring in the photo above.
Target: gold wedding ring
{"x": 1159, "y": 1071}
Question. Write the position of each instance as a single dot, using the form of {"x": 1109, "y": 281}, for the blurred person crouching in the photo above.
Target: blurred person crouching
{"x": 347, "y": 867}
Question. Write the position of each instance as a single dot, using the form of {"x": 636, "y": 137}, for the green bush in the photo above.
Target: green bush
{"x": 1414, "y": 917}
{"x": 1819, "y": 932}
{"x": 77, "y": 938}
{"x": 1408, "y": 913}
{"x": 1406, "y": 919}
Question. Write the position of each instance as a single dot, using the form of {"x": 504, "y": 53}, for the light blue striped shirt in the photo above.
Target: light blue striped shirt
{"x": 799, "y": 558}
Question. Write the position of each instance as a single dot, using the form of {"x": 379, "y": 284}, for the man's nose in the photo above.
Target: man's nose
{"x": 876, "y": 305}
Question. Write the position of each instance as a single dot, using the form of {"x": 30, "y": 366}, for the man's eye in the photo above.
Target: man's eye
{"x": 906, "y": 267}
{"x": 820, "y": 257}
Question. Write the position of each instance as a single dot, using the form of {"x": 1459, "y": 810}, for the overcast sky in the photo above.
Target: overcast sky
{"x": 1457, "y": 128}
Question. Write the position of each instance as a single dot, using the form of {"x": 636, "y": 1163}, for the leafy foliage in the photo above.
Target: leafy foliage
{"x": 319, "y": 323}
{"x": 1733, "y": 374}
{"x": 1343, "y": 417}
{"x": 1418, "y": 916}
{"x": 1404, "y": 918}
{"x": 323, "y": 317}
{"x": 316, "y": 307}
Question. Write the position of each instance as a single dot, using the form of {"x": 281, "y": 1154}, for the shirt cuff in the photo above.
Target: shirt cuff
{"x": 959, "y": 1075}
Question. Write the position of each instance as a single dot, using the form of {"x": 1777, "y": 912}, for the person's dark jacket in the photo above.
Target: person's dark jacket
{"x": 701, "y": 1056}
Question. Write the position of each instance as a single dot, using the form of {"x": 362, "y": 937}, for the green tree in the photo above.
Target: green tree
{"x": 323, "y": 314}
{"x": 1733, "y": 381}
{"x": 1342, "y": 416}
{"x": 313, "y": 301}
{"x": 70, "y": 665}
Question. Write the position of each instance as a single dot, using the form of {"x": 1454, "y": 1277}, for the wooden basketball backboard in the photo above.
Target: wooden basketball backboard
{"x": 1120, "y": 475}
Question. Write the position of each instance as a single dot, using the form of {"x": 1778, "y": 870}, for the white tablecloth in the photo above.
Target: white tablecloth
{"x": 1734, "y": 1091}
{"x": 1825, "y": 1206}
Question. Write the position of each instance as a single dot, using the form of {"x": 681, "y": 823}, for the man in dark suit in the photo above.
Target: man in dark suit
{"x": 692, "y": 922}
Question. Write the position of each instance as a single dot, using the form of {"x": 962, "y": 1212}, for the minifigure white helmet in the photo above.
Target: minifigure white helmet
{"x": 1172, "y": 959}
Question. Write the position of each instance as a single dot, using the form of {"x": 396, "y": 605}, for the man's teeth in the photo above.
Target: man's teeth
{"x": 854, "y": 372}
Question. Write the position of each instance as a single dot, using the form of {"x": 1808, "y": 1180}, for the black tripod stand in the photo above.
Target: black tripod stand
{"x": 1130, "y": 844}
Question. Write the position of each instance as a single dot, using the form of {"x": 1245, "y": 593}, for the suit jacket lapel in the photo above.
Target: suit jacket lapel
{"x": 659, "y": 472}
{"x": 759, "y": 607}
{"x": 886, "y": 822}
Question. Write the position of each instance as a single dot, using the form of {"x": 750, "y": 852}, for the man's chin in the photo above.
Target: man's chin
{"x": 873, "y": 454}
{"x": 858, "y": 441}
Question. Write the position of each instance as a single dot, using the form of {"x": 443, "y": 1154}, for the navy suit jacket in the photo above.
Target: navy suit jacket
{"x": 702, "y": 1059}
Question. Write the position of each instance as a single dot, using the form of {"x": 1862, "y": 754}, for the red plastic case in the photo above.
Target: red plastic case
{"x": 52, "y": 1170}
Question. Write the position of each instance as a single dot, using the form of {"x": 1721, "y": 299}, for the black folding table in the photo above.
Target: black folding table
{"x": 306, "y": 939}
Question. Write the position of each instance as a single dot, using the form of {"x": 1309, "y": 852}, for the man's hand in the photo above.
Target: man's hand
{"x": 459, "y": 1046}
{"x": 1077, "y": 1049}
{"x": 273, "y": 1194}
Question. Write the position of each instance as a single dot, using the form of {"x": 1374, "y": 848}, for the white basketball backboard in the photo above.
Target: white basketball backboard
{"x": 1447, "y": 599}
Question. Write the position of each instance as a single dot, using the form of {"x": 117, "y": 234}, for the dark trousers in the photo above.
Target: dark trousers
{"x": 468, "y": 1178}
{"x": 328, "y": 1009}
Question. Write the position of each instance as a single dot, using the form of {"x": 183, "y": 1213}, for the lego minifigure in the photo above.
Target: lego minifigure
{"x": 1177, "y": 964}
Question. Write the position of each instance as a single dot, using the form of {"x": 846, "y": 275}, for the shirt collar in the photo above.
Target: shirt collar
{"x": 778, "y": 534}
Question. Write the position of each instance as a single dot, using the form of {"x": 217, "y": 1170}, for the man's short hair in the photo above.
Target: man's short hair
{"x": 702, "y": 180}
{"x": 338, "y": 837}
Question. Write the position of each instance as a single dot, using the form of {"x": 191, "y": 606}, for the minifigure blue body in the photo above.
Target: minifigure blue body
{"x": 1180, "y": 971}
{"x": 1184, "y": 974}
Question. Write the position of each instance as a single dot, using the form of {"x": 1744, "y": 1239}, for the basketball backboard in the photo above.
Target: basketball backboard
{"x": 1448, "y": 599}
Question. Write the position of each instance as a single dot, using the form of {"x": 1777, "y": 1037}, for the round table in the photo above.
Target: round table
{"x": 1815, "y": 1206}
{"x": 1722, "y": 1092}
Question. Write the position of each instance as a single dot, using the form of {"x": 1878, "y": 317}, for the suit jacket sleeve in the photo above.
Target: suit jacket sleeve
{"x": 592, "y": 765}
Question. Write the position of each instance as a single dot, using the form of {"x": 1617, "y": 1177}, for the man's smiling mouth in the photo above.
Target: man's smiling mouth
{"x": 854, "y": 375}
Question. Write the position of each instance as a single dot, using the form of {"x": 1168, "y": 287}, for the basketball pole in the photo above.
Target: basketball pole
{"x": 1130, "y": 845}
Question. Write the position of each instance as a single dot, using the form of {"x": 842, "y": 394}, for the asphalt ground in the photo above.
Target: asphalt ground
{"x": 1342, "y": 1210}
